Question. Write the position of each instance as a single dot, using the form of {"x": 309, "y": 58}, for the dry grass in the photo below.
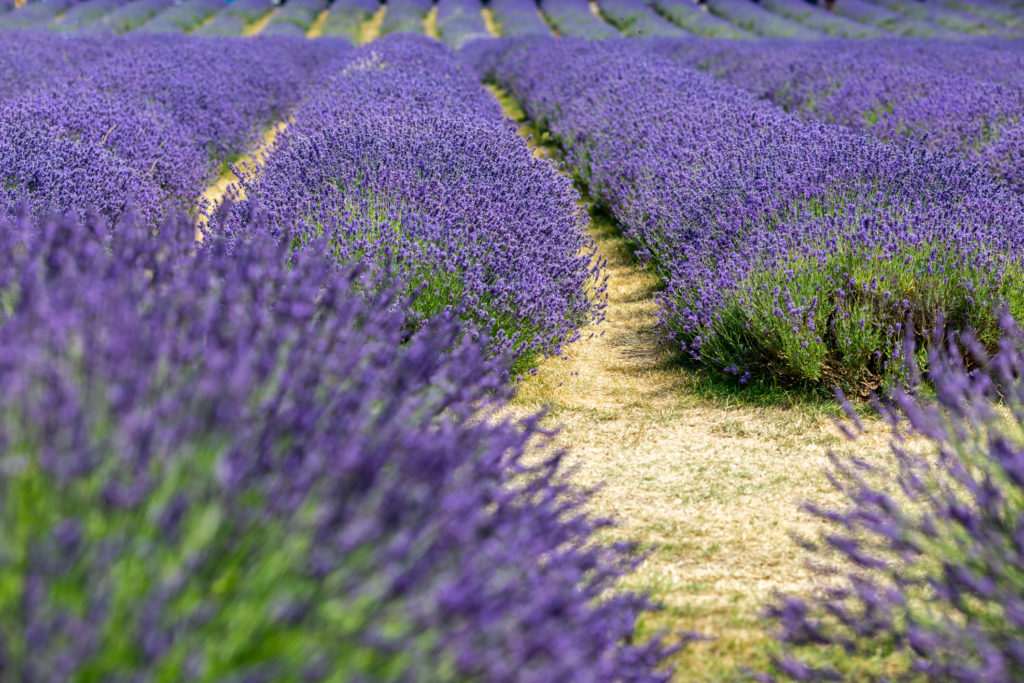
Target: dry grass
{"x": 250, "y": 160}
{"x": 255, "y": 27}
{"x": 489, "y": 23}
{"x": 430, "y": 24}
{"x": 707, "y": 481}
{"x": 370, "y": 30}
{"x": 317, "y": 28}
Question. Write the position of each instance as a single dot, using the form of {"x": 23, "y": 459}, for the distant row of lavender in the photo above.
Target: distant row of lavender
{"x": 459, "y": 22}
{"x": 519, "y": 18}
{"x": 573, "y": 19}
{"x": 792, "y": 250}
{"x": 399, "y": 157}
{"x": 960, "y": 96}
{"x": 98, "y": 124}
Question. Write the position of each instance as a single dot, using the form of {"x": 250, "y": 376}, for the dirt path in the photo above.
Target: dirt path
{"x": 430, "y": 24}
{"x": 707, "y": 480}
{"x": 250, "y": 160}
{"x": 255, "y": 27}
{"x": 489, "y": 23}
{"x": 317, "y": 28}
{"x": 370, "y": 30}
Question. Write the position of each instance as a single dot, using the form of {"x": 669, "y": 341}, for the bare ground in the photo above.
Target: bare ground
{"x": 706, "y": 480}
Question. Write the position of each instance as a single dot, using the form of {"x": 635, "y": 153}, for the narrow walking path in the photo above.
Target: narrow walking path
{"x": 708, "y": 481}
{"x": 250, "y": 160}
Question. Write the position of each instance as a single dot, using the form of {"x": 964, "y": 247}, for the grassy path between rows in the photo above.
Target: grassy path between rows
{"x": 704, "y": 477}
{"x": 251, "y": 160}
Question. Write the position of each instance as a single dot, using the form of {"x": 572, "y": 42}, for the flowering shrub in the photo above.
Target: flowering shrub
{"x": 788, "y": 250}
{"x": 346, "y": 18}
{"x": 751, "y": 17}
{"x": 518, "y": 18}
{"x": 931, "y": 546}
{"x": 635, "y": 18}
{"x": 295, "y": 18}
{"x": 956, "y": 96}
{"x": 819, "y": 19}
{"x": 110, "y": 124}
{"x": 399, "y": 156}
{"x": 573, "y": 18}
{"x": 459, "y": 22}
{"x": 696, "y": 19}
{"x": 405, "y": 16}
{"x": 243, "y": 464}
{"x": 234, "y": 18}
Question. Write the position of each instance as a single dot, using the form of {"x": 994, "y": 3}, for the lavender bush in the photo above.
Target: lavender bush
{"x": 817, "y": 18}
{"x": 34, "y": 14}
{"x": 234, "y": 18}
{"x": 128, "y": 16}
{"x": 791, "y": 251}
{"x": 519, "y": 18}
{"x": 460, "y": 22}
{"x": 635, "y": 18}
{"x": 930, "y": 547}
{"x": 83, "y": 14}
{"x": 399, "y": 156}
{"x": 236, "y": 465}
{"x": 405, "y": 16}
{"x": 295, "y": 18}
{"x": 573, "y": 18}
{"x": 751, "y": 17}
{"x": 183, "y": 18}
{"x": 966, "y": 97}
{"x": 696, "y": 19}
{"x": 121, "y": 127}
{"x": 346, "y": 18}
{"x": 869, "y": 13}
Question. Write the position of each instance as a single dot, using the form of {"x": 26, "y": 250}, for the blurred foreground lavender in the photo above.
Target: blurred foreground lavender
{"x": 931, "y": 547}
{"x": 247, "y": 466}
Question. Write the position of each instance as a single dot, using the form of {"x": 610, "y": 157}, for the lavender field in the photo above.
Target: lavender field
{"x": 515, "y": 340}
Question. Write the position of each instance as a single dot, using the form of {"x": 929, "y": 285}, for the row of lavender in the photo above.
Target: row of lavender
{"x": 101, "y": 124}
{"x": 273, "y": 455}
{"x": 791, "y": 250}
{"x": 573, "y": 18}
{"x": 958, "y": 96}
{"x": 201, "y": 17}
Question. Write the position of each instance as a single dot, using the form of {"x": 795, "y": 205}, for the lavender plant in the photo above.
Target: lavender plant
{"x": 183, "y": 18}
{"x": 696, "y": 19}
{"x": 405, "y": 16}
{"x": 635, "y": 18}
{"x": 295, "y": 18}
{"x": 120, "y": 126}
{"x": 869, "y": 13}
{"x": 128, "y": 16}
{"x": 573, "y": 18}
{"x": 961, "y": 97}
{"x": 817, "y": 18}
{"x": 751, "y": 17}
{"x": 460, "y": 22}
{"x": 519, "y": 18}
{"x": 926, "y": 550}
{"x": 399, "y": 156}
{"x": 225, "y": 465}
{"x": 34, "y": 14}
{"x": 346, "y": 18}
{"x": 234, "y": 18}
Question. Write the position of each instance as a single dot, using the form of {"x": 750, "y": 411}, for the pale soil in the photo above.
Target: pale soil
{"x": 370, "y": 30}
{"x": 255, "y": 27}
{"x": 430, "y": 24}
{"x": 248, "y": 163}
{"x": 317, "y": 28}
{"x": 489, "y": 23}
{"x": 707, "y": 481}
